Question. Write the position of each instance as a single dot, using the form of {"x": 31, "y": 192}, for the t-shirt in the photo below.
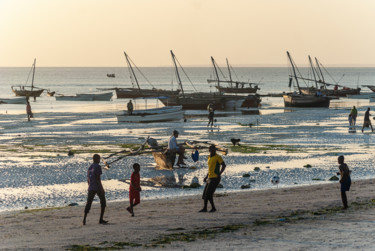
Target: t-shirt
{"x": 345, "y": 171}
{"x": 214, "y": 166}
{"x": 135, "y": 179}
{"x": 94, "y": 172}
{"x": 172, "y": 144}
{"x": 367, "y": 116}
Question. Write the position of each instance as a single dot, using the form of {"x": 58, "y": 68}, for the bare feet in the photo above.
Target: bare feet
{"x": 203, "y": 210}
{"x": 213, "y": 210}
{"x": 130, "y": 211}
{"x": 103, "y": 222}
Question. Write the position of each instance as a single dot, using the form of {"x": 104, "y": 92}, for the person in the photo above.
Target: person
{"x": 212, "y": 178}
{"x": 28, "y": 110}
{"x": 318, "y": 93}
{"x": 354, "y": 112}
{"x": 95, "y": 188}
{"x": 130, "y": 107}
{"x": 367, "y": 122}
{"x": 345, "y": 180}
{"x": 350, "y": 120}
{"x": 174, "y": 148}
{"x": 134, "y": 189}
{"x": 211, "y": 111}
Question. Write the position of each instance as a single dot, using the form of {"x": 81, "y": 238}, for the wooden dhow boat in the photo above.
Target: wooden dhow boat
{"x": 28, "y": 90}
{"x": 300, "y": 99}
{"x": 152, "y": 115}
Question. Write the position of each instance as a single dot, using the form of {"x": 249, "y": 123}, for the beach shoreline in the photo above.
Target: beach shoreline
{"x": 175, "y": 223}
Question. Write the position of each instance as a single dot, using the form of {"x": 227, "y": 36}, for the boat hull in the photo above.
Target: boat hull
{"x": 305, "y": 101}
{"x": 143, "y": 93}
{"x": 13, "y": 100}
{"x": 150, "y": 118}
{"x": 327, "y": 92}
{"x": 27, "y": 93}
{"x": 244, "y": 90}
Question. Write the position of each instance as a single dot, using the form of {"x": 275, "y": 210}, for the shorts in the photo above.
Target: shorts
{"x": 210, "y": 188}
{"x": 90, "y": 198}
{"x": 345, "y": 186}
{"x": 134, "y": 197}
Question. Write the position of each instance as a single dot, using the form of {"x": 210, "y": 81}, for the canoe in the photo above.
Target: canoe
{"x": 151, "y": 117}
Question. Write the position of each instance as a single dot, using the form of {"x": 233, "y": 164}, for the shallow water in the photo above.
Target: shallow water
{"x": 35, "y": 170}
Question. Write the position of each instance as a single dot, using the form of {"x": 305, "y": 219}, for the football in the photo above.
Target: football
{"x": 275, "y": 180}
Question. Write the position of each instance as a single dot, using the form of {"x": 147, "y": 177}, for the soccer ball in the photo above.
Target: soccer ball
{"x": 275, "y": 180}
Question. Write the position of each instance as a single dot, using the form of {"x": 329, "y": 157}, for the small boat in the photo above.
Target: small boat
{"x": 371, "y": 87}
{"x": 362, "y": 96}
{"x": 28, "y": 91}
{"x": 86, "y": 97}
{"x": 299, "y": 99}
{"x": 111, "y": 75}
{"x": 234, "y": 86}
{"x": 250, "y": 111}
{"x": 163, "y": 109}
{"x": 51, "y": 94}
{"x": 20, "y": 100}
{"x": 152, "y": 115}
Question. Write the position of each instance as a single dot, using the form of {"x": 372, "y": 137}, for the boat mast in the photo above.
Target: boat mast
{"x": 230, "y": 74}
{"x": 320, "y": 70}
{"x": 177, "y": 74}
{"x": 32, "y": 79}
{"x": 294, "y": 71}
{"x": 131, "y": 69}
{"x": 313, "y": 71}
{"x": 217, "y": 74}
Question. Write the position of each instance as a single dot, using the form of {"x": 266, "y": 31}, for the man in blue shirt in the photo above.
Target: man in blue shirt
{"x": 174, "y": 148}
{"x": 95, "y": 187}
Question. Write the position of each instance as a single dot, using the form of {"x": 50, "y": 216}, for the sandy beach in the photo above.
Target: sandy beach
{"x": 306, "y": 217}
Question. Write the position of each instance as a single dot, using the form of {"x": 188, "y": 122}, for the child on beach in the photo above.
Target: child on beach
{"x": 134, "y": 189}
{"x": 350, "y": 120}
{"x": 28, "y": 110}
{"x": 345, "y": 180}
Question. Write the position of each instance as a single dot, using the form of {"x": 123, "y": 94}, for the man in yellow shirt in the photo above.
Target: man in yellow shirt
{"x": 212, "y": 178}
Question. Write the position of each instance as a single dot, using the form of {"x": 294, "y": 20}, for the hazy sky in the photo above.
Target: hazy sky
{"x": 247, "y": 32}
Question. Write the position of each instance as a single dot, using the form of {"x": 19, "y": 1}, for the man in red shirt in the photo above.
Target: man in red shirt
{"x": 134, "y": 189}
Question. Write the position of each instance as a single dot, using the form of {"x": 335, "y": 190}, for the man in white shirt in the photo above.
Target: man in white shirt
{"x": 174, "y": 148}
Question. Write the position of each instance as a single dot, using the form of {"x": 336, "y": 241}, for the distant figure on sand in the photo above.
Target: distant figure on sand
{"x": 130, "y": 107}
{"x": 345, "y": 180}
{"x": 174, "y": 148}
{"x": 366, "y": 121}
{"x": 354, "y": 113}
{"x": 350, "y": 120}
{"x": 134, "y": 189}
{"x": 212, "y": 178}
{"x": 28, "y": 110}
{"x": 211, "y": 113}
{"x": 95, "y": 187}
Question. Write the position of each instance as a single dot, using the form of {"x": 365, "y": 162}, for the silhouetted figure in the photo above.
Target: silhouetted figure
{"x": 134, "y": 189}
{"x": 345, "y": 180}
{"x": 366, "y": 121}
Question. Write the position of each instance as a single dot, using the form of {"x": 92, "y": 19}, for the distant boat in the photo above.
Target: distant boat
{"x": 300, "y": 99}
{"x": 234, "y": 86}
{"x": 371, "y": 87}
{"x": 51, "y": 94}
{"x": 20, "y": 100}
{"x": 321, "y": 84}
{"x": 152, "y": 115}
{"x": 199, "y": 100}
{"x": 136, "y": 91}
{"x": 86, "y": 97}
{"x": 111, "y": 75}
{"x": 28, "y": 91}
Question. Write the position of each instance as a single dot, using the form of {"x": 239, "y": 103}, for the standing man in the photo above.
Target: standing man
{"x": 367, "y": 122}
{"x": 95, "y": 187}
{"x": 354, "y": 113}
{"x": 130, "y": 107}
{"x": 174, "y": 148}
{"x": 212, "y": 178}
{"x": 28, "y": 110}
{"x": 211, "y": 112}
{"x": 345, "y": 180}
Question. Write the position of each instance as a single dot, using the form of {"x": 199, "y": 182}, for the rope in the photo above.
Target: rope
{"x": 141, "y": 72}
{"x": 186, "y": 74}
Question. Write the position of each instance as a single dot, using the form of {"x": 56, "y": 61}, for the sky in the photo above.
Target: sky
{"x": 95, "y": 33}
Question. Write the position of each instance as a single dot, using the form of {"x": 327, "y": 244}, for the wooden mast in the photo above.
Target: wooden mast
{"x": 131, "y": 70}
{"x": 313, "y": 71}
{"x": 294, "y": 71}
{"x": 32, "y": 79}
{"x": 230, "y": 74}
{"x": 177, "y": 74}
{"x": 217, "y": 74}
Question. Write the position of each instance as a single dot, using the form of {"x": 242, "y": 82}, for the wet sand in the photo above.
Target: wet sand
{"x": 250, "y": 219}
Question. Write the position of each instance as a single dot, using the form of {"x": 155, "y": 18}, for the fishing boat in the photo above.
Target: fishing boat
{"x": 234, "y": 86}
{"x": 136, "y": 91}
{"x": 86, "y": 97}
{"x": 111, "y": 75}
{"x": 152, "y": 115}
{"x": 28, "y": 90}
{"x": 361, "y": 96}
{"x": 371, "y": 87}
{"x": 300, "y": 99}
{"x": 321, "y": 84}
{"x": 19, "y": 100}
{"x": 198, "y": 100}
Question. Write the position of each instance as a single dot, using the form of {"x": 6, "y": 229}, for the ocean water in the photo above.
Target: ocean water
{"x": 35, "y": 170}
